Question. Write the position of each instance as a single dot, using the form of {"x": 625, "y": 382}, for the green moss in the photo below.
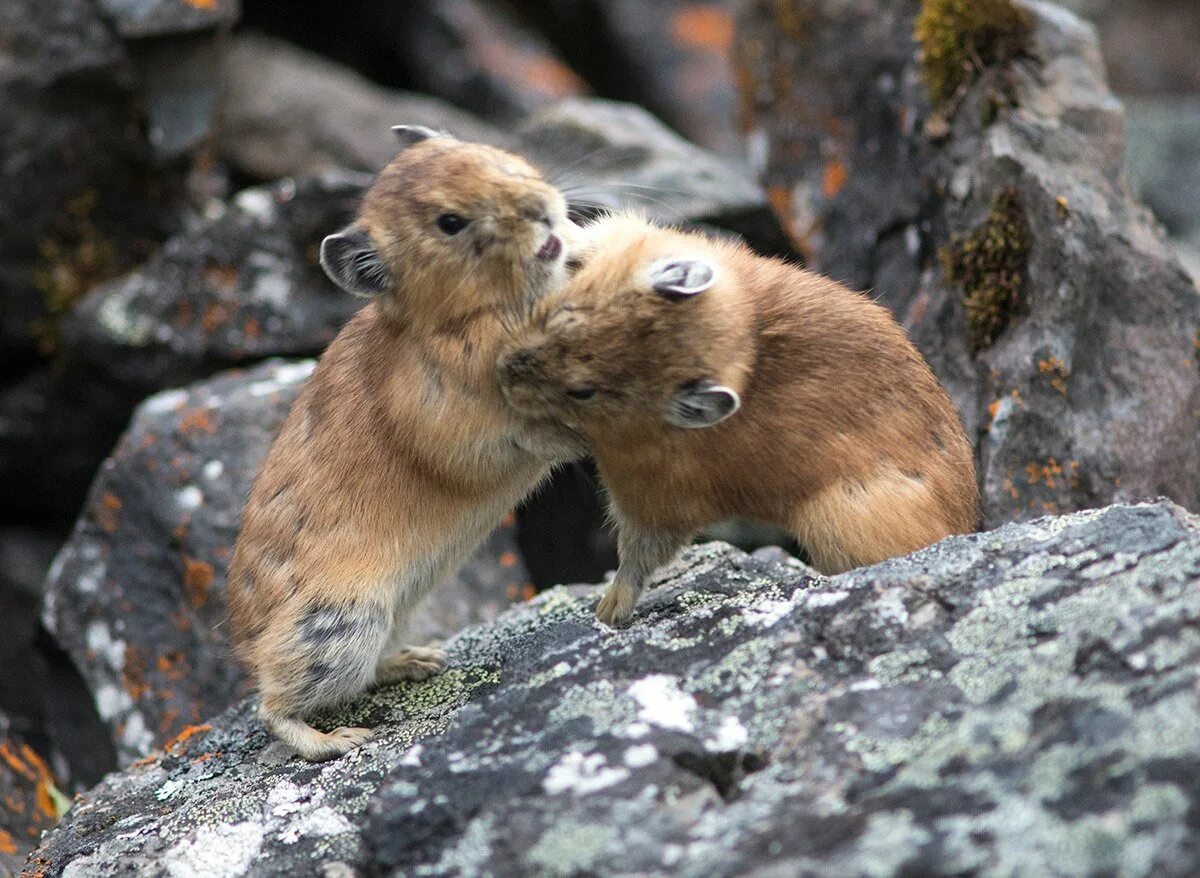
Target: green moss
{"x": 990, "y": 265}
{"x": 75, "y": 257}
{"x": 960, "y": 37}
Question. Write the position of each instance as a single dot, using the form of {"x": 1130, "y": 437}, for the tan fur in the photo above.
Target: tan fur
{"x": 398, "y": 456}
{"x": 844, "y": 435}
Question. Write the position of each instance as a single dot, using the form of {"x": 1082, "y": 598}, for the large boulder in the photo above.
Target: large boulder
{"x": 286, "y": 112}
{"x": 239, "y": 287}
{"x": 1015, "y": 702}
{"x": 980, "y": 194}
{"x": 136, "y": 596}
{"x": 609, "y": 155}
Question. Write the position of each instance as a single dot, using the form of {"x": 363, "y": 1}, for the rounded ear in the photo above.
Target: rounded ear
{"x": 702, "y": 404}
{"x": 681, "y": 278}
{"x": 410, "y": 134}
{"x": 350, "y": 259}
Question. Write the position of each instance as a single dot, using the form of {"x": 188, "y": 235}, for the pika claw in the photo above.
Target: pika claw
{"x": 616, "y": 606}
{"x": 413, "y": 663}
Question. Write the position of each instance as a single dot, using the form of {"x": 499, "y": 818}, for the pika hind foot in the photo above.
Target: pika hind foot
{"x": 313, "y": 745}
{"x": 616, "y": 607}
{"x": 411, "y": 663}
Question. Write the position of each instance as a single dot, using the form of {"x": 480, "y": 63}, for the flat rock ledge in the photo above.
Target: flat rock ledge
{"x": 1017, "y": 702}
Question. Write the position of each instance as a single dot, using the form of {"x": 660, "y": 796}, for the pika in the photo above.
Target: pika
{"x": 398, "y": 456}
{"x": 710, "y": 382}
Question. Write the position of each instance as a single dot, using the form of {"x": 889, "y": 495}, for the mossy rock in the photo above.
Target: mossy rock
{"x": 961, "y": 37}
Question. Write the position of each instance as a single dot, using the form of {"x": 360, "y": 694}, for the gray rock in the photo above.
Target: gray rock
{"x": 234, "y": 289}
{"x": 136, "y": 596}
{"x": 1085, "y": 389}
{"x": 480, "y": 55}
{"x": 1015, "y": 702}
{"x": 610, "y": 155}
{"x": 286, "y": 111}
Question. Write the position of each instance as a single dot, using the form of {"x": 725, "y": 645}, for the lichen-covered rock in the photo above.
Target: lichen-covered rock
{"x": 240, "y": 287}
{"x": 155, "y": 18}
{"x": 614, "y": 155}
{"x": 286, "y": 111}
{"x": 985, "y": 203}
{"x": 137, "y": 594}
{"x": 1022, "y": 701}
{"x": 29, "y": 800}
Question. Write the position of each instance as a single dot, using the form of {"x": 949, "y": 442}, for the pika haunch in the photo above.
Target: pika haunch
{"x": 398, "y": 455}
{"x": 710, "y": 382}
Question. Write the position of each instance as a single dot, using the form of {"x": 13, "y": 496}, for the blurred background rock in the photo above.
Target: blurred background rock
{"x": 168, "y": 169}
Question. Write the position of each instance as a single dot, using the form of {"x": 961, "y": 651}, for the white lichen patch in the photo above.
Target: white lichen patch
{"x": 118, "y": 317}
{"x": 190, "y": 498}
{"x": 282, "y": 376}
{"x": 640, "y": 755}
{"x": 215, "y": 852}
{"x": 167, "y": 401}
{"x": 258, "y": 203}
{"x": 662, "y": 703}
{"x": 213, "y": 469}
{"x": 582, "y": 774}
{"x": 730, "y": 735}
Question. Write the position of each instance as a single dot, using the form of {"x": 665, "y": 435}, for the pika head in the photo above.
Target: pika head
{"x": 450, "y": 227}
{"x": 641, "y": 336}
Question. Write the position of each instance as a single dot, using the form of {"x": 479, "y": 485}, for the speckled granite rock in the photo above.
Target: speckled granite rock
{"x": 1068, "y": 334}
{"x": 137, "y": 594}
{"x": 236, "y": 288}
{"x": 1016, "y": 702}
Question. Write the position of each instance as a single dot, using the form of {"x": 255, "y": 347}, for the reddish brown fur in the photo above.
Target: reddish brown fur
{"x": 397, "y": 456}
{"x": 844, "y": 435}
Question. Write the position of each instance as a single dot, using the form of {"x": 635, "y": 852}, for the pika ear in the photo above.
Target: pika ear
{"x": 352, "y": 262}
{"x": 702, "y": 404}
{"x": 410, "y": 134}
{"x": 681, "y": 278}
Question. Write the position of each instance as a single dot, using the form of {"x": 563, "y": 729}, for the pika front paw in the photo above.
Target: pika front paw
{"x": 616, "y": 606}
{"x": 413, "y": 663}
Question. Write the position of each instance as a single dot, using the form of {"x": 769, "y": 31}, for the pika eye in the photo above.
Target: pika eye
{"x": 452, "y": 223}
{"x": 582, "y": 393}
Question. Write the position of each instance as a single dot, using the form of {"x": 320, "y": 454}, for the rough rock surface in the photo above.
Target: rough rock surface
{"x": 237, "y": 288}
{"x": 998, "y": 226}
{"x": 286, "y": 112}
{"x": 1016, "y": 702}
{"x": 610, "y": 155}
{"x": 137, "y": 594}
{"x": 27, "y": 799}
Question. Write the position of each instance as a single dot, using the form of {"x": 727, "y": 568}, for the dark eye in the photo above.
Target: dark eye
{"x": 452, "y": 223}
{"x": 582, "y": 393}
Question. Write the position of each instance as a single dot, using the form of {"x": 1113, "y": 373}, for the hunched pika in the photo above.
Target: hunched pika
{"x": 398, "y": 455}
{"x": 710, "y": 382}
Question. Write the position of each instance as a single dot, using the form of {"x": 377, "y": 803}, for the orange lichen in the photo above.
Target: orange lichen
{"x": 223, "y": 277}
{"x": 704, "y": 26}
{"x": 508, "y": 559}
{"x": 186, "y": 735}
{"x": 197, "y": 579}
{"x": 528, "y": 592}
{"x": 833, "y": 178}
{"x": 550, "y": 76}
{"x": 993, "y": 408}
{"x": 106, "y": 514}
{"x": 1054, "y": 366}
{"x": 133, "y": 674}
{"x": 198, "y": 420}
{"x": 1047, "y": 473}
{"x": 206, "y": 5}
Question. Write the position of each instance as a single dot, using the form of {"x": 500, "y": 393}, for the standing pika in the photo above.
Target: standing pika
{"x": 842, "y": 434}
{"x": 398, "y": 455}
